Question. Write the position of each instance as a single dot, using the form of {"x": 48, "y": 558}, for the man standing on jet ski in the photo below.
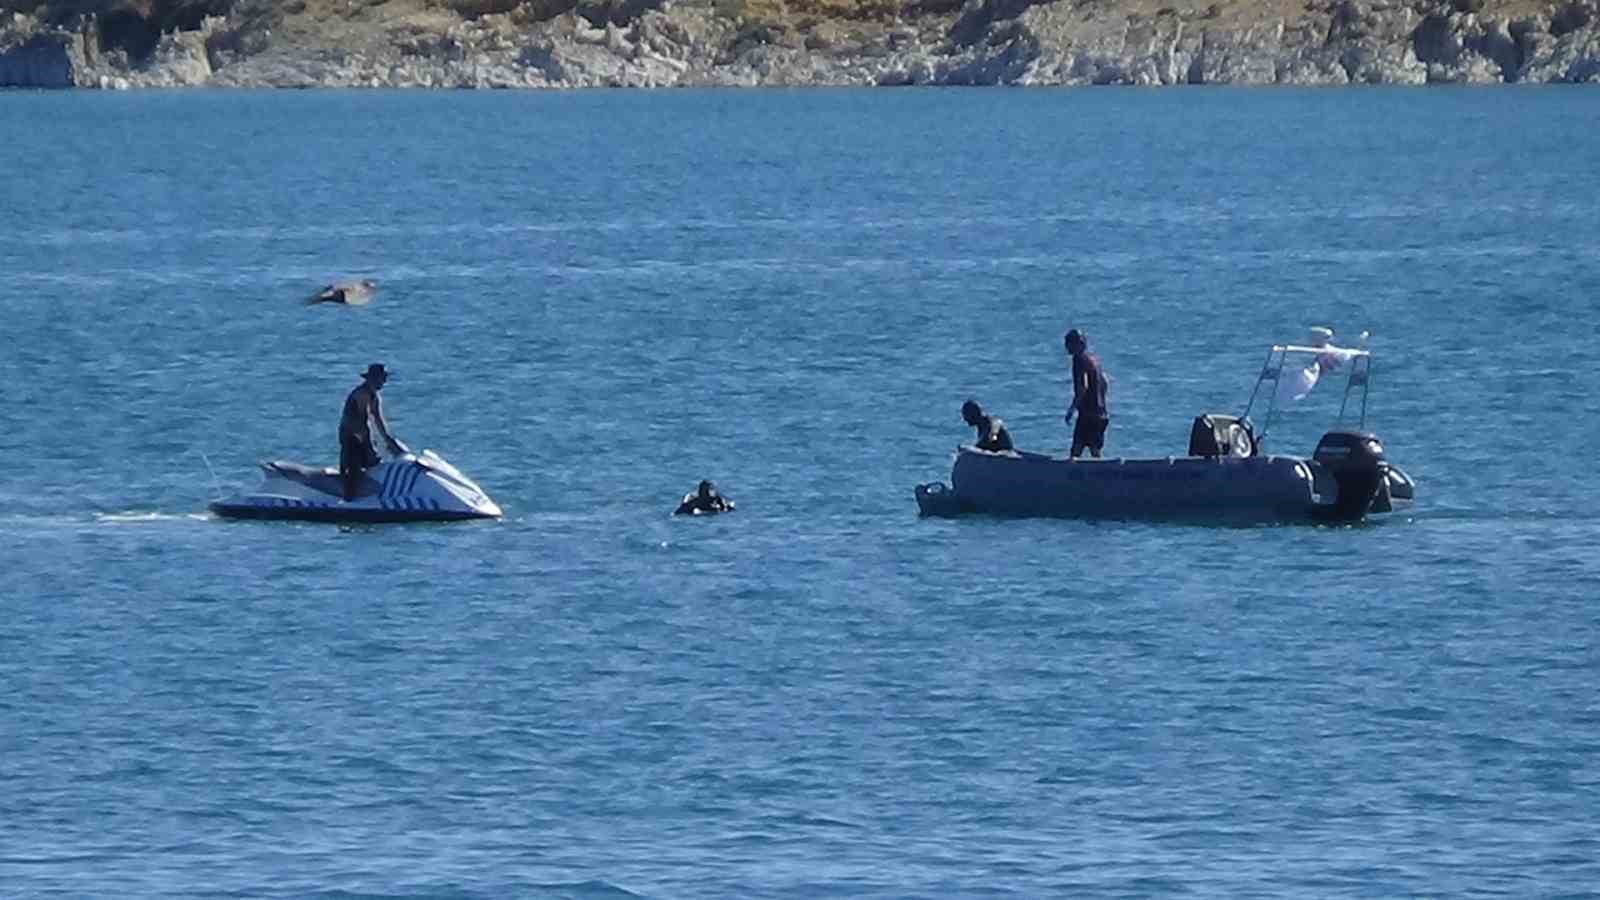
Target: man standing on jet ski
{"x": 356, "y": 453}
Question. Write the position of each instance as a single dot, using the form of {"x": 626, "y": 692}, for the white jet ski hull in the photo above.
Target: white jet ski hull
{"x": 409, "y": 488}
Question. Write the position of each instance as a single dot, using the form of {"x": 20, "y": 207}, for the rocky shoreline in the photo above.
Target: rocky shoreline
{"x": 692, "y": 43}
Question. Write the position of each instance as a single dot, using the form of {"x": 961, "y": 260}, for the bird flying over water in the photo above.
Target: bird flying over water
{"x": 349, "y": 292}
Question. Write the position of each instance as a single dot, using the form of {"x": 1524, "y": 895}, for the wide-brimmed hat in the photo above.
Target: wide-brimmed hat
{"x": 375, "y": 370}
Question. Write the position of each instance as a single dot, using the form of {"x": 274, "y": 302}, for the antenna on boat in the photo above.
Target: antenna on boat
{"x": 215, "y": 482}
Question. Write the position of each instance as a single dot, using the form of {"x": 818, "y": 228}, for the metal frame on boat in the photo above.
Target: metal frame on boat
{"x": 1360, "y": 374}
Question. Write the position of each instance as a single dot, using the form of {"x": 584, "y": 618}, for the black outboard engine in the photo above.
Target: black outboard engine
{"x": 1217, "y": 435}
{"x": 1355, "y": 460}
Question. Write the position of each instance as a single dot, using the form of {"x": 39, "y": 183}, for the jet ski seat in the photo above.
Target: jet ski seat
{"x": 323, "y": 479}
{"x": 296, "y": 470}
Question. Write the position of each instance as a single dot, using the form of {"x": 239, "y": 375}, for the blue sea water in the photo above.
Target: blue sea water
{"x": 593, "y": 300}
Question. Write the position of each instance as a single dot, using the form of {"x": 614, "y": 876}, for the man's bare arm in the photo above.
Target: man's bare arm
{"x": 1080, "y": 387}
{"x": 395, "y": 446}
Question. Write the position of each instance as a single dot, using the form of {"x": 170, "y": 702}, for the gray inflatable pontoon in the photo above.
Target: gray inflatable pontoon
{"x": 1256, "y": 488}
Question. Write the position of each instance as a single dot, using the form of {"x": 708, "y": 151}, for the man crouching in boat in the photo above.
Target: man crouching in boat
{"x": 992, "y": 433}
{"x": 356, "y": 453}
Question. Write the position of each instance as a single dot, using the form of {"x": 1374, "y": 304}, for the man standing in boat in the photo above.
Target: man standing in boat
{"x": 356, "y": 453}
{"x": 992, "y": 434}
{"x": 1088, "y": 397}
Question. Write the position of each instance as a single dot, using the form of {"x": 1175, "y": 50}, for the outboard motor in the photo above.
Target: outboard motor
{"x": 1355, "y": 460}
{"x": 1217, "y": 435}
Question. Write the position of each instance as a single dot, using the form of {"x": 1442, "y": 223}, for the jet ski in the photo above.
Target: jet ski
{"x": 412, "y": 487}
{"x": 1225, "y": 474}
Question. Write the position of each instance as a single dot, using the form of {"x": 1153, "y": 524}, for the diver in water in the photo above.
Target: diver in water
{"x": 356, "y": 453}
{"x": 704, "y": 501}
{"x": 992, "y": 433}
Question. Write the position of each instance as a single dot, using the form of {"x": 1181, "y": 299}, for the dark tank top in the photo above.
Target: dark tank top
{"x": 357, "y": 408}
{"x": 1093, "y": 403}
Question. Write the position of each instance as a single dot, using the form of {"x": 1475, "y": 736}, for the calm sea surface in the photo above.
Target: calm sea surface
{"x": 593, "y": 300}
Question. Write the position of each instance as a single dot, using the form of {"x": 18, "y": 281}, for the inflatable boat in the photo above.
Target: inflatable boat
{"x": 1224, "y": 476}
{"x": 409, "y": 488}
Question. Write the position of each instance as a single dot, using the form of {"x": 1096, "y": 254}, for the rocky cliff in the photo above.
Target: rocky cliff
{"x": 660, "y": 43}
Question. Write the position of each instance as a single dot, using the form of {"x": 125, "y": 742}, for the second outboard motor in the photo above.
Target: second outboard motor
{"x": 1355, "y": 460}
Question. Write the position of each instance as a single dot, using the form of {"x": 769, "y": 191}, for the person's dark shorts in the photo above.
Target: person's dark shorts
{"x": 355, "y": 457}
{"x": 356, "y": 454}
{"x": 1090, "y": 433}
